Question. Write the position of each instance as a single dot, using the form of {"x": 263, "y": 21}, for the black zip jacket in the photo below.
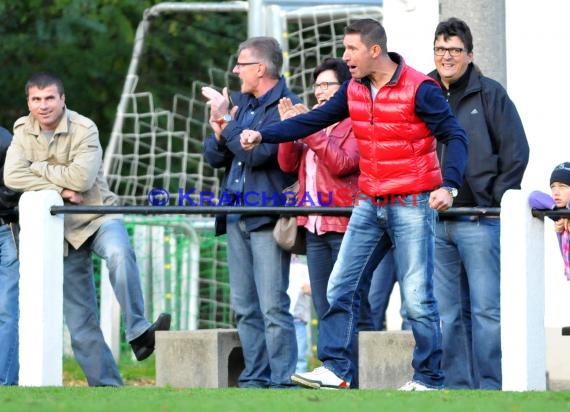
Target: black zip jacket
{"x": 8, "y": 198}
{"x": 498, "y": 148}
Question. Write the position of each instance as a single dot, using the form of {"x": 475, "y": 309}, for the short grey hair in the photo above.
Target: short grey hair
{"x": 268, "y": 51}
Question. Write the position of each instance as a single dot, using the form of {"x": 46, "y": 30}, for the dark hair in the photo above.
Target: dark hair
{"x": 268, "y": 50}
{"x": 336, "y": 65}
{"x": 371, "y": 33}
{"x": 455, "y": 27}
{"x": 42, "y": 80}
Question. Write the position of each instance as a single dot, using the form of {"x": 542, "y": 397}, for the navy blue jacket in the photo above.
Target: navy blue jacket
{"x": 258, "y": 168}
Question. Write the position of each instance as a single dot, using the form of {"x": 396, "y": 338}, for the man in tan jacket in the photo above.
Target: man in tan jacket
{"x": 58, "y": 149}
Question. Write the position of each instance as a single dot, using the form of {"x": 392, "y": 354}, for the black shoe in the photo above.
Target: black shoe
{"x": 143, "y": 346}
{"x": 566, "y": 331}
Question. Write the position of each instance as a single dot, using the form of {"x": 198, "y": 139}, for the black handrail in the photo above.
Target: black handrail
{"x": 551, "y": 213}
{"x": 246, "y": 210}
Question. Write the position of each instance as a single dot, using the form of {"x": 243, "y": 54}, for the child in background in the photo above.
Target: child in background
{"x": 299, "y": 292}
{"x": 560, "y": 199}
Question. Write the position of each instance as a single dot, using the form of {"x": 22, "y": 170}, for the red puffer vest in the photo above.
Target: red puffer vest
{"x": 397, "y": 149}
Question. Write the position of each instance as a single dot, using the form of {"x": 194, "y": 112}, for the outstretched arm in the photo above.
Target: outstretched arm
{"x": 300, "y": 126}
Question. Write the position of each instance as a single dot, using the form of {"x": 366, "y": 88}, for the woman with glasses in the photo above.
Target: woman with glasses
{"x": 327, "y": 164}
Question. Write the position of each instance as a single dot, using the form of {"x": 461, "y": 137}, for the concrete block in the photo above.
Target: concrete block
{"x": 206, "y": 358}
{"x": 557, "y": 359}
{"x": 385, "y": 359}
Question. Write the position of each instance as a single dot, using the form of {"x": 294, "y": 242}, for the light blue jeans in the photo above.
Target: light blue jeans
{"x": 259, "y": 277}
{"x": 302, "y": 345}
{"x": 9, "y": 309}
{"x": 111, "y": 243}
{"x": 372, "y": 230}
{"x": 467, "y": 288}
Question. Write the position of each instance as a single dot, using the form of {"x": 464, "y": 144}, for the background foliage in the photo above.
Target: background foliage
{"x": 88, "y": 43}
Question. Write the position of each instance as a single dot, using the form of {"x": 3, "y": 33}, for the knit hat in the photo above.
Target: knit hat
{"x": 561, "y": 174}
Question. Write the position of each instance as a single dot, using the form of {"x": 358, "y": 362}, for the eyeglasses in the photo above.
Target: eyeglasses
{"x": 453, "y": 51}
{"x": 240, "y": 65}
{"x": 323, "y": 85}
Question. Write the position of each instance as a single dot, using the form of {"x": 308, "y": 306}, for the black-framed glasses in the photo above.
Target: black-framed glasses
{"x": 453, "y": 51}
{"x": 323, "y": 85}
{"x": 240, "y": 64}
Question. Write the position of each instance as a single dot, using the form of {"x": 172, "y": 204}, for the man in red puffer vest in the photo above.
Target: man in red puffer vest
{"x": 398, "y": 114}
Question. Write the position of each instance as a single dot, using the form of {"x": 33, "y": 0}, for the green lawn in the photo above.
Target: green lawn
{"x": 141, "y": 399}
{"x": 140, "y": 395}
{"x": 133, "y": 373}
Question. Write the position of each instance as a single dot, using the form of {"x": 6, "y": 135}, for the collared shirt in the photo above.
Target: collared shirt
{"x": 236, "y": 176}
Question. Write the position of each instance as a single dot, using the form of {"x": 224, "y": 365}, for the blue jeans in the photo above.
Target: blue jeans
{"x": 302, "y": 345}
{"x": 259, "y": 277}
{"x": 322, "y": 251}
{"x": 467, "y": 289}
{"x": 9, "y": 309}
{"x": 112, "y": 244}
{"x": 373, "y": 305}
{"x": 372, "y": 231}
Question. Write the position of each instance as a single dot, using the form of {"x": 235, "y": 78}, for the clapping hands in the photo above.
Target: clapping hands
{"x": 219, "y": 106}
{"x": 287, "y": 109}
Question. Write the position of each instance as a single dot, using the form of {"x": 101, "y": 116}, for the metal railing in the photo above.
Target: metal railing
{"x": 246, "y": 210}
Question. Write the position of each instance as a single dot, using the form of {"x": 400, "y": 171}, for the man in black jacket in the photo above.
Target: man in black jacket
{"x": 467, "y": 261}
{"x": 9, "y": 274}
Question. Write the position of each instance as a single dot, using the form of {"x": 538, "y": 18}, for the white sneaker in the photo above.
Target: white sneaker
{"x": 319, "y": 378}
{"x": 415, "y": 386}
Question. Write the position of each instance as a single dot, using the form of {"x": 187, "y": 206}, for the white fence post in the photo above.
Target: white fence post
{"x": 41, "y": 290}
{"x": 522, "y": 295}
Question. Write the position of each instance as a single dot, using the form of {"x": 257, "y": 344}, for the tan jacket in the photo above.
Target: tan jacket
{"x": 72, "y": 159}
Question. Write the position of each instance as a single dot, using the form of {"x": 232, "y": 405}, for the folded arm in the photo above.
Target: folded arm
{"x": 23, "y": 172}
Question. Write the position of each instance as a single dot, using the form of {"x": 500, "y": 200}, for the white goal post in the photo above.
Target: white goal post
{"x": 144, "y": 132}
{"x": 159, "y": 128}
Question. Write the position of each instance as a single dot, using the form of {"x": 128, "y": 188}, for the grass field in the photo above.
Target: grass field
{"x": 142, "y": 399}
{"x": 140, "y": 395}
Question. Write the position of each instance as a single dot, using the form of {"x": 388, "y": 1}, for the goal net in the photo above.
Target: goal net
{"x": 162, "y": 120}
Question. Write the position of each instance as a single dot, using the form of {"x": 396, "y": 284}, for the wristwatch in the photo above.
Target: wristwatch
{"x": 452, "y": 191}
{"x": 225, "y": 118}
